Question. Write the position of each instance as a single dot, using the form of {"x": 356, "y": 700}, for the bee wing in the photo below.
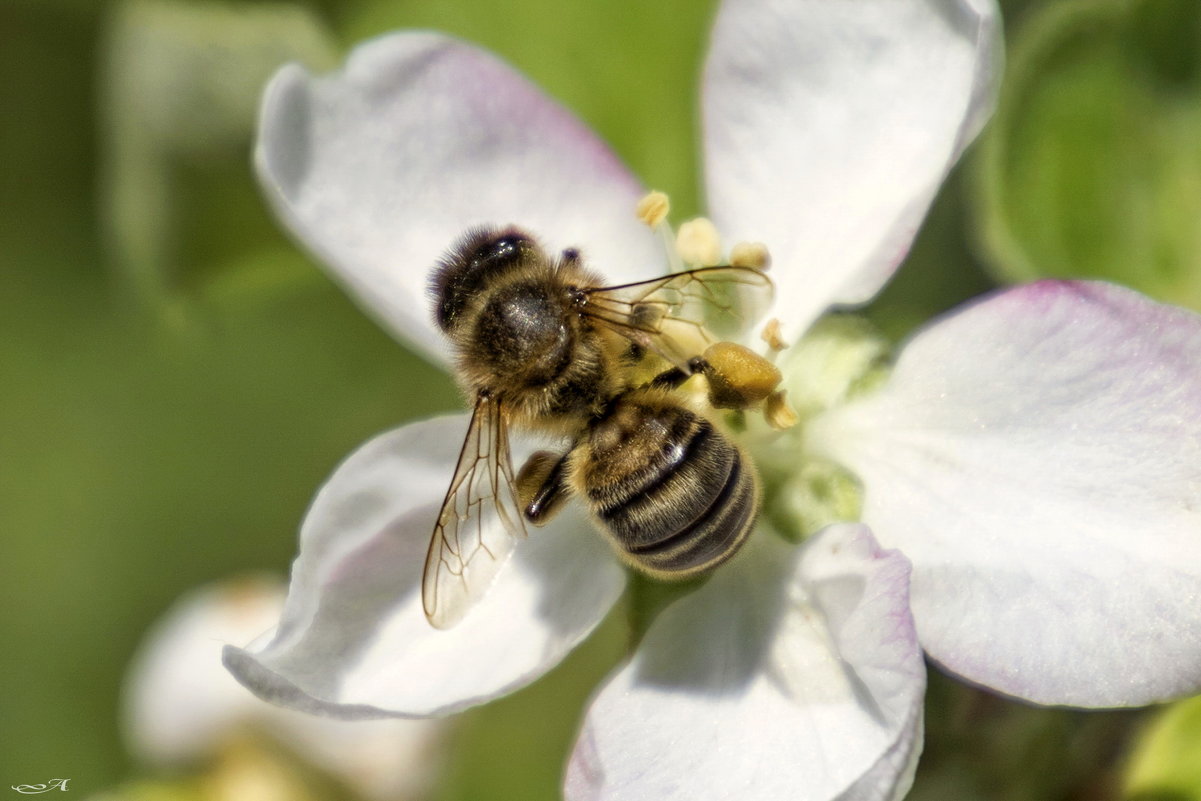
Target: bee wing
{"x": 679, "y": 315}
{"x": 479, "y": 523}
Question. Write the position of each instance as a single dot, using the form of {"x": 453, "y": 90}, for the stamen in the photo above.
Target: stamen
{"x": 750, "y": 254}
{"x": 778, "y": 412}
{"x": 653, "y": 208}
{"x": 771, "y": 335}
{"x": 699, "y": 243}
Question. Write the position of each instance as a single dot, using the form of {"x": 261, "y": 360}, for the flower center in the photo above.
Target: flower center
{"x": 841, "y": 358}
{"x": 739, "y": 377}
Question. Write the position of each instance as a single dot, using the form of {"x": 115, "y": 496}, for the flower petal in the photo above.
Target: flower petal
{"x": 354, "y": 641}
{"x": 829, "y": 125}
{"x": 381, "y": 167}
{"x": 794, "y": 673}
{"x": 1038, "y": 457}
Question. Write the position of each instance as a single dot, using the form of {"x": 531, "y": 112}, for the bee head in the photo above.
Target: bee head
{"x": 478, "y": 257}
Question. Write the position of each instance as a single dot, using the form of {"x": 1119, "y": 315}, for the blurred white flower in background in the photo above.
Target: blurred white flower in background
{"x": 182, "y": 709}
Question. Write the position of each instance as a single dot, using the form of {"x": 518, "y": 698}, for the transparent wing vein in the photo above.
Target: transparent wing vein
{"x": 678, "y": 316}
{"x": 479, "y": 522}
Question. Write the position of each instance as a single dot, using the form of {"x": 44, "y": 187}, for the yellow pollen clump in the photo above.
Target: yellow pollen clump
{"x": 771, "y": 335}
{"x": 778, "y": 412}
{"x": 750, "y": 254}
{"x": 738, "y": 377}
{"x": 699, "y": 243}
{"x": 653, "y": 208}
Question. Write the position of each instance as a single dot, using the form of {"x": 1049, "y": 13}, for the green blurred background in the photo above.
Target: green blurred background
{"x": 176, "y": 378}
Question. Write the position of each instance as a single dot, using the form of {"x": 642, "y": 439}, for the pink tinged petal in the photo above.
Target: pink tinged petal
{"x": 354, "y": 640}
{"x": 829, "y": 125}
{"x": 794, "y": 673}
{"x": 1038, "y": 457}
{"x": 381, "y": 167}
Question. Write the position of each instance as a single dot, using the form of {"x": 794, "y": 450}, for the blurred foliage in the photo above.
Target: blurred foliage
{"x": 1166, "y": 762}
{"x": 1092, "y": 166}
{"x": 178, "y": 378}
{"x": 179, "y": 89}
{"x": 981, "y": 747}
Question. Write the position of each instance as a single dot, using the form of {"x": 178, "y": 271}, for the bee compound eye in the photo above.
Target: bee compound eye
{"x": 504, "y": 249}
{"x": 476, "y": 258}
{"x": 489, "y": 248}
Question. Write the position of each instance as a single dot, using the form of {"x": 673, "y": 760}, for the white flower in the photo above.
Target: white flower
{"x": 182, "y": 709}
{"x": 1035, "y": 455}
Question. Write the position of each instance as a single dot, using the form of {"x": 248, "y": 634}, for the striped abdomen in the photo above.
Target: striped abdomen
{"x": 674, "y": 494}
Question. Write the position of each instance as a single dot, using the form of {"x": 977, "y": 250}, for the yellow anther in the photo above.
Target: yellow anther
{"x": 653, "y": 208}
{"x": 750, "y": 254}
{"x": 778, "y": 412}
{"x": 771, "y": 335}
{"x": 699, "y": 243}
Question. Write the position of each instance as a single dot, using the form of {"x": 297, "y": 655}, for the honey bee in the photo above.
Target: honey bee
{"x": 542, "y": 344}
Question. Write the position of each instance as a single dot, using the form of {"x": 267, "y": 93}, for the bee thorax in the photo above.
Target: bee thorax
{"x": 525, "y": 332}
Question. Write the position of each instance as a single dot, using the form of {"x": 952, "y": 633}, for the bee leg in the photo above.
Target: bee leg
{"x": 673, "y": 378}
{"x": 542, "y": 486}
